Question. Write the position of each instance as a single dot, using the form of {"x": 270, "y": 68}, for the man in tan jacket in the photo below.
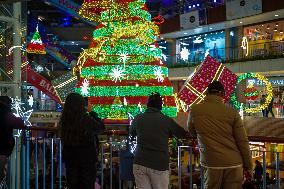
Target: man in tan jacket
{"x": 224, "y": 146}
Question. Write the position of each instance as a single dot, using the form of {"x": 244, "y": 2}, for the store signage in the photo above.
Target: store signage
{"x": 273, "y": 81}
{"x": 189, "y": 20}
{"x": 242, "y": 8}
{"x": 45, "y": 117}
{"x": 41, "y": 83}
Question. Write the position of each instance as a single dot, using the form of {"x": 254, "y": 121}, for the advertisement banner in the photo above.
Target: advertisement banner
{"x": 40, "y": 82}
{"x": 45, "y": 117}
{"x": 189, "y": 20}
{"x": 242, "y": 8}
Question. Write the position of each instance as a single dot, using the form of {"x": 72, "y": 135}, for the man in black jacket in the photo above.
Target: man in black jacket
{"x": 153, "y": 129}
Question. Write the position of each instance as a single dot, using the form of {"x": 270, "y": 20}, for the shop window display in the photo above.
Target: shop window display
{"x": 265, "y": 39}
{"x": 193, "y": 49}
{"x": 166, "y": 47}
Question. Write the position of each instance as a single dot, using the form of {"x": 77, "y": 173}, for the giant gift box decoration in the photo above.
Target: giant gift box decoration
{"x": 194, "y": 89}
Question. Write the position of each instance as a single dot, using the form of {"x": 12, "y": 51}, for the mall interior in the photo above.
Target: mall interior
{"x": 116, "y": 53}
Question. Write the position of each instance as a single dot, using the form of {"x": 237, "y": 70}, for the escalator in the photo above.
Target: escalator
{"x": 69, "y": 7}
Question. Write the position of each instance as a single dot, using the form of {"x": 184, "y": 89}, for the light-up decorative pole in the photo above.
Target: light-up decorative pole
{"x": 123, "y": 65}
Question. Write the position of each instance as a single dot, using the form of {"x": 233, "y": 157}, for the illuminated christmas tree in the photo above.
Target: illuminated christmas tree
{"x": 123, "y": 65}
{"x": 36, "y": 46}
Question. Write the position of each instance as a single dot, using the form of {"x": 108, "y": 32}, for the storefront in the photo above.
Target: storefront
{"x": 278, "y": 92}
{"x": 193, "y": 49}
{"x": 265, "y": 39}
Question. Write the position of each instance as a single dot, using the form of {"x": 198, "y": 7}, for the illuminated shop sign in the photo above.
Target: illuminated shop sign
{"x": 45, "y": 117}
{"x": 273, "y": 81}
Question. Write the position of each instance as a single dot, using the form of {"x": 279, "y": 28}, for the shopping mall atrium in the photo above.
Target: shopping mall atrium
{"x": 116, "y": 53}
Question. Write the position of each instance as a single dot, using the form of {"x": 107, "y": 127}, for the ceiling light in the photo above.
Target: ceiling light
{"x": 193, "y": 6}
{"x": 276, "y": 24}
{"x": 210, "y": 28}
{"x": 162, "y": 38}
{"x": 281, "y": 31}
{"x": 262, "y": 25}
{"x": 268, "y": 27}
{"x": 276, "y": 15}
{"x": 73, "y": 42}
{"x": 189, "y": 6}
{"x": 275, "y": 29}
{"x": 198, "y": 4}
{"x": 185, "y": 33}
{"x": 241, "y": 22}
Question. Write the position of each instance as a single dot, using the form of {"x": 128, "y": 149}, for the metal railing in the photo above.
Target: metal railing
{"x": 256, "y": 51}
{"x": 263, "y": 183}
{"x": 37, "y": 163}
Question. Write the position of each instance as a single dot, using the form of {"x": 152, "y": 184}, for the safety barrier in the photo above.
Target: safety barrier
{"x": 37, "y": 163}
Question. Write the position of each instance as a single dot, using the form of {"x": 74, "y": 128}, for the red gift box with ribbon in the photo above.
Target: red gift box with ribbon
{"x": 194, "y": 89}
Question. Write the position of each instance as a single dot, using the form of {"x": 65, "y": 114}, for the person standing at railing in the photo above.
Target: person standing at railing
{"x": 8, "y": 122}
{"x": 262, "y": 101}
{"x": 224, "y": 146}
{"x": 151, "y": 158}
{"x": 258, "y": 172}
{"x": 270, "y": 108}
{"x": 78, "y": 132}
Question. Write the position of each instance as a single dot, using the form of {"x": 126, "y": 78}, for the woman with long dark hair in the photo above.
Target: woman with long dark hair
{"x": 78, "y": 133}
{"x": 8, "y": 122}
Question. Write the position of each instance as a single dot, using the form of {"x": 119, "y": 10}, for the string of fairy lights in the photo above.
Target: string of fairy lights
{"x": 268, "y": 91}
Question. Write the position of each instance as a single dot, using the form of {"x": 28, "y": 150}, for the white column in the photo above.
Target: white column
{"x": 17, "y": 51}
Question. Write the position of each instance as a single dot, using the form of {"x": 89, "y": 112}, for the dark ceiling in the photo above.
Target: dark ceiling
{"x": 50, "y": 14}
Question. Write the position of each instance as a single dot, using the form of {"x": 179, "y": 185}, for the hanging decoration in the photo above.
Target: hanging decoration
{"x": 195, "y": 87}
{"x": 123, "y": 64}
{"x": 268, "y": 90}
{"x": 64, "y": 85}
{"x": 36, "y": 46}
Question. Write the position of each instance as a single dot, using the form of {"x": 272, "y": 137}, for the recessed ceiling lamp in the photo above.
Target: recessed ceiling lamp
{"x": 275, "y": 29}
{"x": 276, "y": 24}
{"x": 276, "y": 15}
{"x": 281, "y": 31}
{"x": 268, "y": 27}
{"x": 185, "y": 33}
{"x": 241, "y": 22}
